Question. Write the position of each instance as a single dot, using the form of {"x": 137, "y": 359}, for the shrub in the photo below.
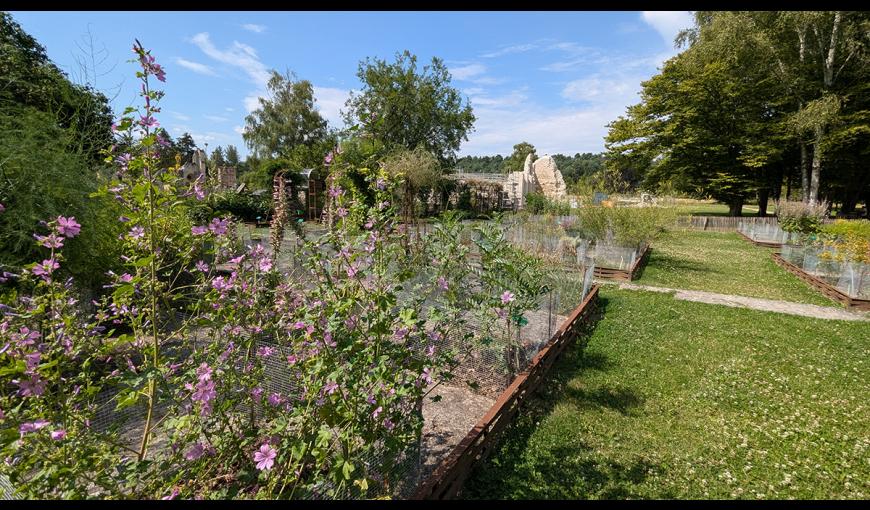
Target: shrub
{"x": 849, "y": 238}
{"x": 42, "y": 175}
{"x": 799, "y": 217}
{"x": 243, "y": 206}
{"x": 536, "y": 203}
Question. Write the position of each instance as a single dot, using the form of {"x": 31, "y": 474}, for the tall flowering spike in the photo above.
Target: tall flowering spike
{"x": 279, "y": 217}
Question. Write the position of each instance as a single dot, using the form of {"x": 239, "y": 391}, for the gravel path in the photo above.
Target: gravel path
{"x": 767, "y": 305}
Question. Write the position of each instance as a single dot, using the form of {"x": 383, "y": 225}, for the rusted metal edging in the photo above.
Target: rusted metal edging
{"x": 447, "y": 479}
{"x": 822, "y": 286}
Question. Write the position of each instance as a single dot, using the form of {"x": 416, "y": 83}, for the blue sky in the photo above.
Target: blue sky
{"x": 554, "y": 79}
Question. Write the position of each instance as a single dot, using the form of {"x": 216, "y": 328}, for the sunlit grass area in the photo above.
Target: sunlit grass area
{"x": 677, "y": 399}
{"x": 724, "y": 263}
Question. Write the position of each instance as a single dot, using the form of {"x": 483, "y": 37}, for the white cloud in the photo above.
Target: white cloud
{"x": 254, "y": 28}
{"x": 195, "y": 67}
{"x": 252, "y": 102}
{"x": 239, "y": 129}
{"x": 229, "y": 109}
{"x": 488, "y": 80}
{"x": 594, "y": 88}
{"x": 667, "y": 23}
{"x": 330, "y": 101}
{"x": 237, "y": 55}
{"x": 551, "y": 131}
{"x": 215, "y": 118}
{"x": 468, "y": 71}
{"x": 517, "y": 48}
{"x": 179, "y": 116}
{"x": 513, "y": 98}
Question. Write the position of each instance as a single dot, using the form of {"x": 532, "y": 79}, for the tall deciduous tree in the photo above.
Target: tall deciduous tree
{"x": 404, "y": 106}
{"x": 287, "y": 118}
{"x": 515, "y": 162}
{"x": 29, "y": 78}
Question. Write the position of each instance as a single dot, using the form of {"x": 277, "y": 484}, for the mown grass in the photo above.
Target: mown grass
{"x": 725, "y": 263}
{"x": 676, "y": 399}
{"x": 702, "y": 208}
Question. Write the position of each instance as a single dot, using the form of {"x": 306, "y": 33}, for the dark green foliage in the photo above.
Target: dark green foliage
{"x": 480, "y": 164}
{"x": 406, "y": 107}
{"x": 515, "y": 162}
{"x": 536, "y": 203}
{"x": 243, "y": 206}
{"x": 286, "y": 119}
{"x": 42, "y": 177}
{"x": 28, "y": 77}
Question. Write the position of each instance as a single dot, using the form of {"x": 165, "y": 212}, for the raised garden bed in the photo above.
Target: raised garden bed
{"x": 823, "y": 286}
{"x": 627, "y": 275}
{"x": 767, "y": 244}
{"x": 447, "y": 479}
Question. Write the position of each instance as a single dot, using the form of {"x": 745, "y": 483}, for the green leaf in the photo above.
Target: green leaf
{"x": 347, "y": 469}
{"x": 126, "y": 400}
{"x": 18, "y": 368}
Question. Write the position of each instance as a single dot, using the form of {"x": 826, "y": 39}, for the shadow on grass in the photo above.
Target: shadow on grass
{"x": 523, "y": 466}
{"x": 621, "y": 400}
{"x": 669, "y": 263}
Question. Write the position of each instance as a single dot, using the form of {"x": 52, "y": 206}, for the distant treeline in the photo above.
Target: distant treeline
{"x": 572, "y": 167}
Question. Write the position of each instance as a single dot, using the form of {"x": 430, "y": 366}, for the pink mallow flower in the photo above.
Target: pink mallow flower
{"x": 50, "y": 241}
{"x": 46, "y": 268}
{"x": 196, "y": 451}
{"x": 507, "y": 297}
{"x": 58, "y": 435}
{"x": 136, "y": 232}
{"x": 218, "y": 226}
{"x": 24, "y": 428}
{"x": 265, "y": 457}
{"x": 68, "y": 226}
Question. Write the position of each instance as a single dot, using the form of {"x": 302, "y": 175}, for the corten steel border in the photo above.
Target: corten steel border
{"x": 759, "y": 243}
{"x": 823, "y": 286}
{"x": 447, "y": 479}
{"x": 627, "y": 275}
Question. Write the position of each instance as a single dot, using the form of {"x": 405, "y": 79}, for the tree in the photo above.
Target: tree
{"x": 816, "y": 56}
{"x": 186, "y": 146}
{"x": 232, "y": 156}
{"x": 28, "y": 77}
{"x": 516, "y": 160}
{"x": 285, "y": 119}
{"x": 404, "y": 107}
{"x": 217, "y": 158}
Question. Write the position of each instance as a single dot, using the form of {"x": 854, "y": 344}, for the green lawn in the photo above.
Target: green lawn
{"x": 701, "y": 208}
{"x": 724, "y": 263}
{"x": 676, "y": 399}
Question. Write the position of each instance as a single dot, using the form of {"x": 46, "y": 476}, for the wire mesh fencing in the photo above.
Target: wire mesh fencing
{"x": 488, "y": 355}
{"x": 770, "y": 233}
{"x": 850, "y": 277}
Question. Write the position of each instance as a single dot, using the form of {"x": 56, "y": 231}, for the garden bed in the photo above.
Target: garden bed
{"x": 823, "y": 286}
{"x": 766, "y": 244}
{"x": 607, "y": 273}
{"x": 447, "y": 479}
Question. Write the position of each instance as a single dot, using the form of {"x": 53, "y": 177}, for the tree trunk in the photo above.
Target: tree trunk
{"x": 763, "y": 195}
{"x": 735, "y": 207}
{"x": 805, "y": 181}
{"x": 817, "y": 165}
{"x": 788, "y": 188}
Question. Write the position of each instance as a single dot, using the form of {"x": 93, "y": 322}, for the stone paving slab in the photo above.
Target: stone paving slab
{"x": 767, "y": 305}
